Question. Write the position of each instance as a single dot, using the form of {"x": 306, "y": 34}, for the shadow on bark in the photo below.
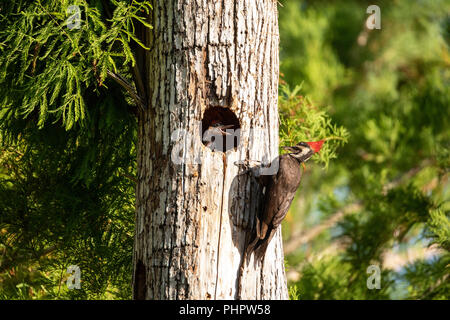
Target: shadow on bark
{"x": 140, "y": 281}
{"x": 243, "y": 207}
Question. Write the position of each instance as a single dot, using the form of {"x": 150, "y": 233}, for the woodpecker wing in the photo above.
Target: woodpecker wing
{"x": 280, "y": 192}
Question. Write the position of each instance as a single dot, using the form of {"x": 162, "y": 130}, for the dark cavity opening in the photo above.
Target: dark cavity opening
{"x": 220, "y": 129}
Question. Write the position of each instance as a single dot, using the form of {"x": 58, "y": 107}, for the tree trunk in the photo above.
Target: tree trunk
{"x": 209, "y": 61}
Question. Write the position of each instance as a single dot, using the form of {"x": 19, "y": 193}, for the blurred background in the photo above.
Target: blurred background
{"x": 384, "y": 200}
{"x": 378, "y": 202}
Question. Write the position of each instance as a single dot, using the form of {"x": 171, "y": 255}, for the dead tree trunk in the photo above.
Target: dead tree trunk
{"x": 210, "y": 61}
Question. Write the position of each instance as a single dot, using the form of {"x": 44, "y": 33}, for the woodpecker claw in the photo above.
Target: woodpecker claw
{"x": 304, "y": 167}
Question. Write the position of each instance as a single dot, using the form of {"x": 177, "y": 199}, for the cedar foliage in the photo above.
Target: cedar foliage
{"x": 58, "y": 64}
{"x": 68, "y": 138}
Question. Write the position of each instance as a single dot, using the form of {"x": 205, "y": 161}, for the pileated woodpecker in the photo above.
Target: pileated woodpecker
{"x": 280, "y": 189}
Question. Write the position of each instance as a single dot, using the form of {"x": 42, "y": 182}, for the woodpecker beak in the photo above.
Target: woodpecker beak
{"x": 225, "y": 127}
{"x": 220, "y": 128}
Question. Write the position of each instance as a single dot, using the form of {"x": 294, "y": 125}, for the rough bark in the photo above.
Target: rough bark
{"x": 192, "y": 218}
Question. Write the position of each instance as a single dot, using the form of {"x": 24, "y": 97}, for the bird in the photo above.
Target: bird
{"x": 214, "y": 131}
{"x": 280, "y": 190}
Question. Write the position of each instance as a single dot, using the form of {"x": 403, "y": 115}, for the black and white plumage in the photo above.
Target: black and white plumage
{"x": 280, "y": 190}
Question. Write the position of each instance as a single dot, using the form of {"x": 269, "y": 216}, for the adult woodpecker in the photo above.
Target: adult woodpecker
{"x": 280, "y": 190}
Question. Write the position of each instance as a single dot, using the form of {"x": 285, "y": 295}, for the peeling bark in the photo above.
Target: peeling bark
{"x": 193, "y": 217}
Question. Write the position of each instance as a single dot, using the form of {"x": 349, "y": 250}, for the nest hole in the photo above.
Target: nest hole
{"x": 220, "y": 129}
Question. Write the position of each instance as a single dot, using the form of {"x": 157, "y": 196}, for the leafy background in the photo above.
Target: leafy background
{"x": 384, "y": 200}
{"x": 377, "y": 195}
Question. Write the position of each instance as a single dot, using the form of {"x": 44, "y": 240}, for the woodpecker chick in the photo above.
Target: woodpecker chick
{"x": 213, "y": 133}
{"x": 280, "y": 191}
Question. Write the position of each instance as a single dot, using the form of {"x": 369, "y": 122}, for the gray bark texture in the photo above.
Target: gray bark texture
{"x": 194, "y": 206}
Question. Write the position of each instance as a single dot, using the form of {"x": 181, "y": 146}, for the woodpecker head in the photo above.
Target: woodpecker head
{"x": 219, "y": 129}
{"x": 213, "y": 133}
{"x": 303, "y": 151}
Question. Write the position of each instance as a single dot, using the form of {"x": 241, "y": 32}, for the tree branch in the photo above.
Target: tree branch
{"x": 106, "y": 8}
{"x": 304, "y": 237}
{"x": 130, "y": 177}
{"x": 127, "y": 86}
{"x": 390, "y": 260}
{"x": 134, "y": 69}
{"x": 395, "y": 261}
{"x": 18, "y": 258}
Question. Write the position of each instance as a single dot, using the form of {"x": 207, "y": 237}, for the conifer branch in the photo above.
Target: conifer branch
{"x": 134, "y": 68}
{"x": 138, "y": 79}
{"x": 130, "y": 177}
{"x": 127, "y": 86}
{"x": 106, "y": 8}
{"x": 304, "y": 237}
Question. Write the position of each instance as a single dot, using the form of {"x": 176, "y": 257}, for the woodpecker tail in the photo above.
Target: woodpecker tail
{"x": 259, "y": 246}
{"x": 262, "y": 239}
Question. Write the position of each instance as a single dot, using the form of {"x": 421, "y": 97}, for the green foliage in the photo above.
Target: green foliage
{"x": 294, "y": 293}
{"x": 59, "y": 65}
{"x": 320, "y": 280}
{"x": 66, "y": 196}
{"x": 388, "y": 187}
{"x": 439, "y": 226}
{"x": 301, "y": 121}
{"x": 65, "y": 199}
{"x": 429, "y": 279}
